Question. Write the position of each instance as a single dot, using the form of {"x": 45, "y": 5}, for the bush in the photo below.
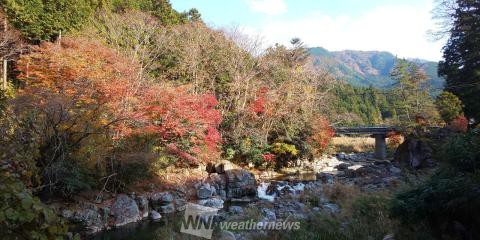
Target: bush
{"x": 463, "y": 151}
{"x": 459, "y": 124}
{"x": 284, "y": 153}
{"x": 447, "y": 204}
{"x": 449, "y": 106}
{"x": 363, "y": 216}
{"x": 23, "y": 216}
{"x": 321, "y": 135}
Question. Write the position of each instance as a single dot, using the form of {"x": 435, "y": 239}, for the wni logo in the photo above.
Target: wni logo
{"x": 198, "y": 220}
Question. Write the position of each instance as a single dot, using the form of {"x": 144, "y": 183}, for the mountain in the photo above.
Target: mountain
{"x": 368, "y": 68}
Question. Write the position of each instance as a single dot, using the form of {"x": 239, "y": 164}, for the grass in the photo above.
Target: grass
{"x": 349, "y": 144}
{"x": 357, "y": 144}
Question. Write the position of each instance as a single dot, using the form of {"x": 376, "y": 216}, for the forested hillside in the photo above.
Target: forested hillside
{"x": 114, "y": 112}
{"x": 369, "y": 68}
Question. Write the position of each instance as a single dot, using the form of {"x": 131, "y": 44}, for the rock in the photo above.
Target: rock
{"x": 269, "y": 214}
{"x": 161, "y": 198}
{"x": 240, "y": 183}
{"x": 180, "y": 204}
{"x": 341, "y": 155}
{"x": 155, "y": 216}
{"x": 226, "y": 235}
{"x": 142, "y": 203}
{"x": 236, "y": 210}
{"x": 350, "y": 173}
{"x": 169, "y": 208}
{"x": 342, "y": 166}
{"x": 124, "y": 210}
{"x": 205, "y": 191}
{"x": 211, "y": 202}
{"x": 331, "y": 208}
{"x": 316, "y": 209}
{"x": 414, "y": 152}
{"x": 325, "y": 177}
{"x": 389, "y": 237}
{"x": 395, "y": 170}
{"x": 381, "y": 162}
{"x": 88, "y": 217}
{"x": 224, "y": 166}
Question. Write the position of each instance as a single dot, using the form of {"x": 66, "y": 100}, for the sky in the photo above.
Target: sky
{"x": 396, "y": 26}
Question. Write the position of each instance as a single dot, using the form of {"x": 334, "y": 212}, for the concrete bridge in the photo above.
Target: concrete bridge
{"x": 379, "y": 133}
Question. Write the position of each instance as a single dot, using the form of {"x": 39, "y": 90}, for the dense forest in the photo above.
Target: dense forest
{"x": 114, "y": 95}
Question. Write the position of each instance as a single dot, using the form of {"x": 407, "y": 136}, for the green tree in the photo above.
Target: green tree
{"x": 45, "y": 20}
{"x": 412, "y": 92}
{"x": 461, "y": 64}
{"x": 449, "y": 106}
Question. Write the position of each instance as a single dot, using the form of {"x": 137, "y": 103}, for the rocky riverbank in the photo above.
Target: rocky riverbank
{"x": 242, "y": 190}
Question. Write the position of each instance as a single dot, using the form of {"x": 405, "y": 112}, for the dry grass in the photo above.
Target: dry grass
{"x": 353, "y": 144}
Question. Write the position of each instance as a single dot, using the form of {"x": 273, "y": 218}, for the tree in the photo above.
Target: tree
{"x": 412, "y": 92}
{"x": 88, "y": 104}
{"x": 449, "y": 106}
{"x": 461, "y": 64}
{"x": 41, "y": 20}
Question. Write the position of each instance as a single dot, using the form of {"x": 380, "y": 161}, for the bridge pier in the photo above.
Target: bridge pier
{"x": 380, "y": 146}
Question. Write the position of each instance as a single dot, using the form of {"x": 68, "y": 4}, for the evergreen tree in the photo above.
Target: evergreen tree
{"x": 46, "y": 20}
{"x": 411, "y": 90}
{"x": 461, "y": 65}
{"x": 449, "y": 106}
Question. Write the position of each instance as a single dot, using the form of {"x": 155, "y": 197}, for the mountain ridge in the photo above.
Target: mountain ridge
{"x": 369, "y": 68}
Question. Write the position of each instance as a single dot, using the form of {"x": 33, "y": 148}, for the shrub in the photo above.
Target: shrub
{"x": 23, "y": 216}
{"x": 321, "y": 135}
{"x": 463, "y": 151}
{"x": 459, "y": 124}
{"x": 447, "y": 204}
{"x": 251, "y": 151}
{"x": 449, "y": 106}
{"x": 284, "y": 153}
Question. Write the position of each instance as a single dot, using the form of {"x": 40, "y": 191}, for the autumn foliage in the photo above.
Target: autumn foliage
{"x": 100, "y": 92}
{"x": 321, "y": 135}
{"x": 459, "y": 124}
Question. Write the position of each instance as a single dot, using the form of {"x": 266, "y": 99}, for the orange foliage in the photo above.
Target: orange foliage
{"x": 321, "y": 134}
{"x": 107, "y": 91}
{"x": 459, "y": 124}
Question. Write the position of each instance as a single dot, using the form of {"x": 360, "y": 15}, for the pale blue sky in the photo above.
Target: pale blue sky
{"x": 398, "y": 26}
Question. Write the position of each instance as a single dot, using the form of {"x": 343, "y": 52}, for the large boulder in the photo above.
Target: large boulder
{"x": 205, "y": 191}
{"x": 415, "y": 153}
{"x": 160, "y": 199}
{"x": 240, "y": 183}
{"x": 88, "y": 216}
{"x": 124, "y": 210}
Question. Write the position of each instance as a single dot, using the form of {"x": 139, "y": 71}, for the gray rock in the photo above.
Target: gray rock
{"x": 331, "y": 208}
{"x": 155, "y": 216}
{"x": 212, "y": 202}
{"x": 269, "y": 214}
{"x": 316, "y": 209}
{"x": 205, "y": 191}
{"x": 389, "y": 237}
{"x": 395, "y": 170}
{"x": 88, "y": 217}
{"x": 169, "y": 208}
{"x": 226, "y": 235}
{"x": 240, "y": 183}
{"x": 124, "y": 210}
{"x": 180, "y": 204}
{"x": 342, "y": 166}
{"x": 161, "y": 198}
{"x": 325, "y": 177}
{"x": 236, "y": 210}
{"x": 415, "y": 153}
{"x": 142, "y": 203}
